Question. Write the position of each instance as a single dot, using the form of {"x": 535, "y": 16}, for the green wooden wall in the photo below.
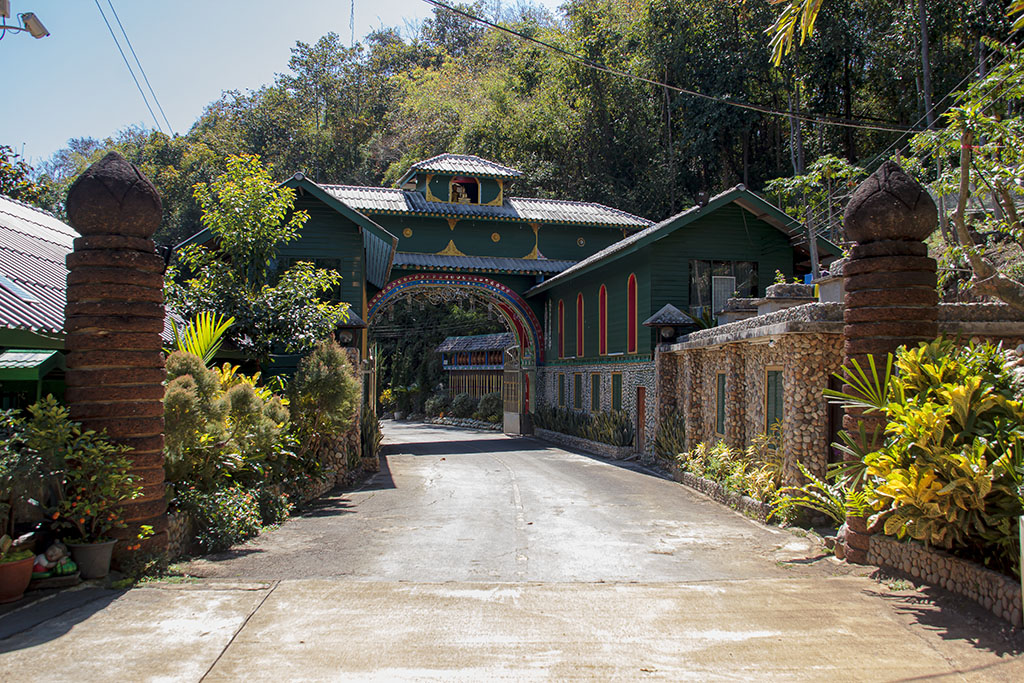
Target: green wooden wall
{"x": 662, "y": 269}
{"x": 329, "y": 235}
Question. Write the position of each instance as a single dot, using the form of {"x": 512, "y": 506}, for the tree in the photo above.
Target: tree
{"x": 16, "y": 178}
{"x": 249, "y": 216}
{"x": 981, "y": 149}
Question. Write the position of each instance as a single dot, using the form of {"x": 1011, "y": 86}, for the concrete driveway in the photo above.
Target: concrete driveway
{"x": 473, "y": 556}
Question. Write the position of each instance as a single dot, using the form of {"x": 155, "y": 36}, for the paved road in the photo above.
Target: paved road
{"x": 478, "y": 557}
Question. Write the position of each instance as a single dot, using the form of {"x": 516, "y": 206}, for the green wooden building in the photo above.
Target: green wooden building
{"x": 572, "y": 280}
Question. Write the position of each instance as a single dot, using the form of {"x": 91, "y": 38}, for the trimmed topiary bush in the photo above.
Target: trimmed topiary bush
{"x": 490, "y": 407}
{"x": 463, "y": 406}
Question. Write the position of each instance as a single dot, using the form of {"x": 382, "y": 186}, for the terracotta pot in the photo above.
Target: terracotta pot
{"x": 93, "y": 559}
{"x": 14, "y": 578}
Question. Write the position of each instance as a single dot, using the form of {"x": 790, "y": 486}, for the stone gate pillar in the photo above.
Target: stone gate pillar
{"x": 113, "y": 319}
{"x": 891, "y": 296}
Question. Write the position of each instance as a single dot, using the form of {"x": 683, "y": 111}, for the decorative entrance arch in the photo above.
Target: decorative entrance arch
{"x": 513, "y": 308}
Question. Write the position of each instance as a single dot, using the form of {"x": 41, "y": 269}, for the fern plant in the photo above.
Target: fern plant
{"x": 203, "y": 335}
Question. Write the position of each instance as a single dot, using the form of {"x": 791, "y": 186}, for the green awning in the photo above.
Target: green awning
{"x": 29, "y": 364}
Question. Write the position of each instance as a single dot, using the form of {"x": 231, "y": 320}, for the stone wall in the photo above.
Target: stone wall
{"x": 804, "y": 343}
{"x": 634, "y": 374}
{"x": 586, "y": 445}
{"x": 997, "y": 593}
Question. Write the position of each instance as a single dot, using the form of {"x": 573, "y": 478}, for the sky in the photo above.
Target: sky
{"x": 74, "y": 83}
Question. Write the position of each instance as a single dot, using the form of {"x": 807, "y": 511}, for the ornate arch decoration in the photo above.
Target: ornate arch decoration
{"x": 512, "y": 307}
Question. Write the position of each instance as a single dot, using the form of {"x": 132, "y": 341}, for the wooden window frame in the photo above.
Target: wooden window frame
{"x": 602, "y": 321}
{"x": 616, "y": 405}
{"x": 580, "y": 350}
{"x": 721, "y": 407}
{"x": 595, "y": 392}
{"x": 631, "y": 314}
{"x": 768, "y": 369}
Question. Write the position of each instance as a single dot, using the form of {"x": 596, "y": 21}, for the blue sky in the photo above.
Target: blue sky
{"x": 75, "y": 84}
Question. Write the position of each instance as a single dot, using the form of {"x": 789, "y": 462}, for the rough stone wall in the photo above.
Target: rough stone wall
{"x": 806, "y": 362}
{"x": 997, "y": 593}
{"x": 634, "y": 375}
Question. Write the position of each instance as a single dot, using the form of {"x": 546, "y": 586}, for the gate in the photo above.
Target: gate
{"x": 516, "y": 418}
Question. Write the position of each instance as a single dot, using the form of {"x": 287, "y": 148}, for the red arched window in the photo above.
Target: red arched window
{"x": 631, "y": 314}
{"x": 579, "y": 326}
{"x": 561, "y": 329}
{"x": 602, "y": 320}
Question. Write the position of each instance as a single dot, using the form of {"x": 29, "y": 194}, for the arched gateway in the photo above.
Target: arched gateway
{"x": 518, "y": 387}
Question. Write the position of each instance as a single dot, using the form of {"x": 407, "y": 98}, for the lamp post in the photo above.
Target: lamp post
{"x": 29, "y": 22}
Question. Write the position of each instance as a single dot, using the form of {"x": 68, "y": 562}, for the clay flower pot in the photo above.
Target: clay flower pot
{"x": 14, "y": 578}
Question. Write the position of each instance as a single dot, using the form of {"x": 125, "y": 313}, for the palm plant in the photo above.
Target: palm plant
{"x": 203, "y": 336}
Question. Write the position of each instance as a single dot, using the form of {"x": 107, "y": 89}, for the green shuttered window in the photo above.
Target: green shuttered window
{"x": 773, "y": 397}
{"x": 561, "y": 390}
{"x": 617, "y": 391}
{"x": 577, "y": 391}
{"x": 720, "y": 415}
{"x": 595, "y": 393}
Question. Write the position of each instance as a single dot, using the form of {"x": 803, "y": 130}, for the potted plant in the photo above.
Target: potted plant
{"x": 22, "y": 470}
{"x": 87, "y": 503}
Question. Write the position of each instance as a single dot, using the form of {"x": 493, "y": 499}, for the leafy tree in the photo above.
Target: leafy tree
{"x": 16, "y": 178}
{"x": 249, "y": 217}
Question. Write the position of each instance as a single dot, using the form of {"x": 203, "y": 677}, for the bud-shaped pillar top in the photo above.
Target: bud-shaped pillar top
{"x": 113, "y": 198}
{"x": 890, "y": 205}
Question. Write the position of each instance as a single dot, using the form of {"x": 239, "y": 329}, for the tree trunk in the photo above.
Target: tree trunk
{"x": 926, "y": 65}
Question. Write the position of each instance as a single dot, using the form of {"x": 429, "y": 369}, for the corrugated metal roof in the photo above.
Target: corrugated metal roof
{"x": 668, "y": 315}
{"x": 33, "y": 246}
{"x": 23, "y": 359}
{"x": 478, "y": 342}
{"x": 466, "y": 164}
{"x": 393, "y": 201}
{"x": 480, "y": 263}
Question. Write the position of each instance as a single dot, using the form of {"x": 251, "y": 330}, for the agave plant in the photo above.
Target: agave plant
{"x": 202, "y": 336}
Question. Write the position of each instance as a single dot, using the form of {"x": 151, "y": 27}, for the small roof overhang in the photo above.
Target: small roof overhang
{"x": 29, "y": 364}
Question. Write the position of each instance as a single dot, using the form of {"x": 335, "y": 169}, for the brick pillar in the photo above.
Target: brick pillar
{"x": 891, "y": 296}
{"x": 114, "y": 317}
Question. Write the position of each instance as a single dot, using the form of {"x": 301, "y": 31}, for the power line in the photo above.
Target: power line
{"x": 591, "y": 64}
{"x": 141, "y": 70}
{"x": 130, "y": 71}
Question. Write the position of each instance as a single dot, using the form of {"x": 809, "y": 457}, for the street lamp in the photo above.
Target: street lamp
{"x": 29, "y": 22}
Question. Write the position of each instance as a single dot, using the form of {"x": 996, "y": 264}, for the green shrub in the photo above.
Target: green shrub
{"x": 755, "y": 471}
{"x": 490, "y": 406}
{"x": 324, "y": 395}
{"x": 220, "y": 426}
{"x": 949, "y": 469}
{"x": 223, "y": 517}
{"x": 463, "y": 405}
{"x": 438, "y": 404}
{"x": 274, "y": 505}
{"x": 370, "y": 433}
{"x": 670, "y": 440}
{"x": 611, "y": 427}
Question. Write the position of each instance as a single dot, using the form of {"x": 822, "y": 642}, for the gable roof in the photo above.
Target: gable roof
{"x": 391, "y": 201}
{"x": 478, "y": 342}
{"x": 33, "y": 277}
{"x": 460, "y": 164}
{"x": 379, "y": 245}
{"x": 738, "y": 195}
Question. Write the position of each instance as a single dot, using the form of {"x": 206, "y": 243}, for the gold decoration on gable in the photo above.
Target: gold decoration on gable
{"x": 533, "y": 255}
{"x": 407, "y": 232}
{"x": 452, "y": 222}
{"x": 450, "y": 250}
{"x": 430, "y": 195}
{"x": 495, "y": 237}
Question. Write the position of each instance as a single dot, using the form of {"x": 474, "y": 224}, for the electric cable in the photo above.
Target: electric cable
{"x": 591, "y": 64}
{"x": 141, "y": 70}
{"x": 130, "y": 71}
